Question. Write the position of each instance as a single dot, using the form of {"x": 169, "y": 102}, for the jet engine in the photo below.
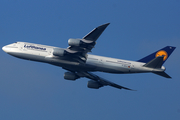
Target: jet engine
{"x": 80, "y": 42}
{"x": 59, "y": 52}
{"x": 93, "y": 84}
{"x": 75, "y": 42}
{"x": 70, "y": 76}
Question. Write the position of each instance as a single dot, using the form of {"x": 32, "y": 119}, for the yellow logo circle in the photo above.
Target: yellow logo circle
{"x": 162, "y": 53}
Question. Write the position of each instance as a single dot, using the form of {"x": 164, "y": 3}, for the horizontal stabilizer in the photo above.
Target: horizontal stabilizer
{"x": 163, "y": 74}
{"x": 155, "y": 63}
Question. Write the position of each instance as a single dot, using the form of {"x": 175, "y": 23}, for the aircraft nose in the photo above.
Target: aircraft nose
{"x": 5, "y": 49}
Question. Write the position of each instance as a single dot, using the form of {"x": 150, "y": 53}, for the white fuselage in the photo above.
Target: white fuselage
{"x": 43, "y": 53}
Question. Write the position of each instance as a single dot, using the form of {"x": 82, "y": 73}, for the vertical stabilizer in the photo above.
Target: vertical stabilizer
{"x": 165, "y": 52}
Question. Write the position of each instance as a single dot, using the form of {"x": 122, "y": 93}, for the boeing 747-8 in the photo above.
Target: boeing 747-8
{"x": 78, "y": 63}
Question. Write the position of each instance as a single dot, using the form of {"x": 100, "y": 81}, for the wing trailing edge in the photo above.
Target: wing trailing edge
{"x": 101, "y": 81}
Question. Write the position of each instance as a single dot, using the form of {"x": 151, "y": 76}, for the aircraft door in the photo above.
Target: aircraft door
{"x": 49, "y": 51}
{"x": 20, "y": 46}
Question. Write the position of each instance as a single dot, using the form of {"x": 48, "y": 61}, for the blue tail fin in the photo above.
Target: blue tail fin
{"x": 166, "y": 52}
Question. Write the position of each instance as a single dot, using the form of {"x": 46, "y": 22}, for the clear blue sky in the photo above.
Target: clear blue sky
{"x": 38, "y": 91}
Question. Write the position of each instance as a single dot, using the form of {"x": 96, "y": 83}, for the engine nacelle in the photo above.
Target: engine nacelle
{"x": 75, "y": 42}
{"x": 93, "y": 84}
{"x": 70, "y": 76}
{"x": 59, "y": 52}
{"x": 80, "y": 42}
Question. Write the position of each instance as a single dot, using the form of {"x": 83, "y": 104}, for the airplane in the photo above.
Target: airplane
{"x": 78, "y": 63}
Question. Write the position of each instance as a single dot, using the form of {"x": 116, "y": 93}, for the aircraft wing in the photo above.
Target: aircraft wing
{"x": 98, "y": 81}
{"x": 95, "y": 33}
{"x": 78, "y": 48}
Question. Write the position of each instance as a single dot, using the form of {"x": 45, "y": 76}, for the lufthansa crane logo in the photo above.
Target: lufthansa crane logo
{"x": 162, "y": 53}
